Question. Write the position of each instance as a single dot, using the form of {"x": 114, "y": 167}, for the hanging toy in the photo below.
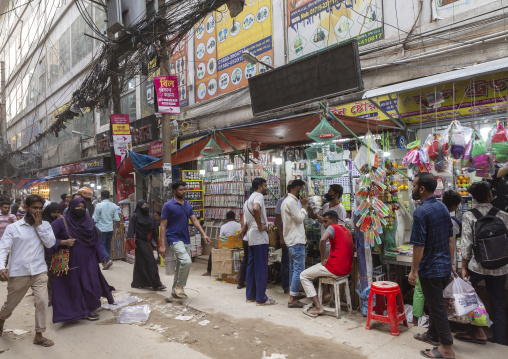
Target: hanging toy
{"x": 499, "y": 143}
{"x": 457, "y": 140}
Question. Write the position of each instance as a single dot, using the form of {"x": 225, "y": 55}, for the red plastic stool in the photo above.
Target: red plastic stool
{"x": 395, "y": 315}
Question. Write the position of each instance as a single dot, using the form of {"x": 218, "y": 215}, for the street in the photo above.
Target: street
{"x": 236, "y": 329}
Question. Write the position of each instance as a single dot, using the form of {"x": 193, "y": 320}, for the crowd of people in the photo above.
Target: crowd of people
{"x": 56, "y": 250}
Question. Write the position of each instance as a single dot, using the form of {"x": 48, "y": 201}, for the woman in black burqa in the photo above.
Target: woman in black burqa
{"x": 142, "y": 229}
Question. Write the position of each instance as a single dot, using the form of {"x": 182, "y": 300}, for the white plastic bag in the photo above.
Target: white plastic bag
{"x": 362, "y": 157}
{"x": 136, "y": 313}
{"x": 464, "y": 297}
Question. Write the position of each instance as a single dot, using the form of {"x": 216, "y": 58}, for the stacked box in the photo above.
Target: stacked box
{"x": 225, "y": 261}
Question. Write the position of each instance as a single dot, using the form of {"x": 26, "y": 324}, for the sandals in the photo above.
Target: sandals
{"x": 45, "y": 342}
{"x": 297, "y": 304}
{"x": 162, "y": 288}
{"x": 435, "y": 352}
{"x": 469, "y": 339}
{"x": 424, "y": 337}
{"x": 306, "y": 312}
{"x": 250, "y": 300}
{"x": 179, "y": 294}
{"x": 92, "y": 316}
{"x": 269, "y": 301}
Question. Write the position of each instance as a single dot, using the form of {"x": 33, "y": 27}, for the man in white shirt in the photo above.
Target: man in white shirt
{"x": 229, "y": 229}
{"x": 293, "y": 217}
{"x": 255, "y": 227}
{"x": 25, "y": 240}
{"x": 333, "y": 204}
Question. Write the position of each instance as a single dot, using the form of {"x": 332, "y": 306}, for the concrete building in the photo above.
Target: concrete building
{"x": 47, "y": 55}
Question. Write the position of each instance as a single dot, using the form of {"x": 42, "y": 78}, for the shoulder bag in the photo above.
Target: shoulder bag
{"x": 60, "y": 259}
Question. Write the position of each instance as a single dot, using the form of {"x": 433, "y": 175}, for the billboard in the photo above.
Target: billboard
{"x": 166, "y": 88}
{"x": 122, "y": 138}
{"x": 314, "y": 25}
{"x": 219, "y": 43}
{"x": 178, "y": 68}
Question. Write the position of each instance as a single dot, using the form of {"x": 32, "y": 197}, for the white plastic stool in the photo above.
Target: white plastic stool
{"x": 336, "y": 282}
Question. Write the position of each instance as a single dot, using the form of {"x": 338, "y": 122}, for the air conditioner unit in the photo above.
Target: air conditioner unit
{"x": 115, "y": 22}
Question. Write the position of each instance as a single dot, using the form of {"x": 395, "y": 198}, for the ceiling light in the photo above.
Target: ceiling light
{"x": 386, "y": 154}
{"x": 215, "y": 168}
{"x": 202, "y": 172}
{"x": 277, "y": 160}
{"x": 230, "y": 166}
{"x": 92, "y": 185}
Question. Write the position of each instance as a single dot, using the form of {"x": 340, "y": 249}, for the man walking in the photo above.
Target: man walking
{"x": 175, "y": 217}
{"x": 6, "y": 218}
{"x": 255, "y": 227}
{"x": 432, "y": 262}
{"x": 25, "y": 241}
{"x": 294, "y": 237}
{"x": 105, "y": 214}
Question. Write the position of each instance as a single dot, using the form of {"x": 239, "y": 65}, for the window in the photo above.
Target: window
{"x": 84, "y": 124}
{"x": 42, "y": 76}
{"x": 81, "y": 44}
{"x": 104, "y": 114}
{"x": 64, "y": 52}
{"x": 128, "y": 105}
{"x": 147, "y": 97}
{"x": 53, "y": 64}
{"x": 100, "y": 16}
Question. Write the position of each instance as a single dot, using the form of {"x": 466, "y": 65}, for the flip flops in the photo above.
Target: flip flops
{"x": 45, "y": 342}
{"x": 179, "y": 294}
{"x": 435, "y": 352}
{"x": 424, "y": 337}
{"x": 297, "y": 304}
{"x": 306, "y": 312}
{"x": 269, "y": 301}
{"x": 470, "y": 339}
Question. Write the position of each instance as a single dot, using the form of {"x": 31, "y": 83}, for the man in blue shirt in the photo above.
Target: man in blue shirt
{"x": 432, "y": 238}
{"x": 105, "y": 214}
{"x": 175, "y": 230}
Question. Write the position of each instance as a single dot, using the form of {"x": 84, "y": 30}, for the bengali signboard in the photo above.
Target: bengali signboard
{"x": 314, "y": 25}
{"x": 166, "y": 88}
{"x": 122, "y": 139}
{"x": 219, "y": 43}
{"x": 178, "y": 68}
{"x": 155, "y": 149}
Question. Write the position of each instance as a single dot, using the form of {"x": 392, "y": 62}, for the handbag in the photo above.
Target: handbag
{"x": 60, "y": 259}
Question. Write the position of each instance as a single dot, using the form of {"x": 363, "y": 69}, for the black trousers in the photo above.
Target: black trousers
{"x": 439, "y": 327}
{"x": 495, "y": 286}
{"x": 243, "y": 265}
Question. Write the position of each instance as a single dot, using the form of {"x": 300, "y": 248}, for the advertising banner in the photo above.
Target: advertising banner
{"x": 179, "y": 69}
{"x": 166, "y": 88}
{"x": 155, "y": 149}
{"x": 126, "y": 189}
{"x": 220, "y": 42}
{"x": 314, "y": 25}
{"x": 122, "y": 139}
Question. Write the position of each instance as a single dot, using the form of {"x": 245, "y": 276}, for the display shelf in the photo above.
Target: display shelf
{"x": 193, "y": 195}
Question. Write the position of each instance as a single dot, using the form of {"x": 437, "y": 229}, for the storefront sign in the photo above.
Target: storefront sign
{"x": 155, "y": 149}
{"x": 95, "y": 165}
{"x": 219, "y": 43}
{"x": 74, "y": 168}
{"x": 57, "y": 171}
{"x": 365, "y": 109}
{"x": 179, "y": 69}
{"x": 166, "y": 88}
{"x": 185, "y": 143}
{"x": 122, "y": 139}
{"x": 314, "y": 25}
{"x": 103, "y": 144}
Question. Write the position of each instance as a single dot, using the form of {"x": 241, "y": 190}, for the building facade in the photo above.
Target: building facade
{"x": 47, "y": 55}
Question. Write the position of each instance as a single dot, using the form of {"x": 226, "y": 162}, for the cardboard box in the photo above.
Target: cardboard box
{"x": 222, "y": 254}
{"x": 232, "y": 242}
{"x": 225, "y": 261}
{"x": 223, "y": 266}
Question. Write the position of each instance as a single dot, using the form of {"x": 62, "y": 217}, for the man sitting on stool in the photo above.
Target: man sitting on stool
{"x": 338, "y": 264}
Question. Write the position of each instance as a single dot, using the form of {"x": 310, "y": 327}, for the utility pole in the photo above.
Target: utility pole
{"x": 167, "y": 172}
{"x": 3, "y": 119}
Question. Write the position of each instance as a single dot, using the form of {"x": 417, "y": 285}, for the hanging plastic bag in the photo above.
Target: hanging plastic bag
{"x": 444, "y": 139}
{"x": 464, "y": 297}
{"x": 499, "y": 143}
{"x": 362, "y": 158}
{"x": 480, "y": 157}
{"x": 412, "y": 159}
{"x": 466, "y": 160}
{"x": 433, "y": 148}
{"x": 457, "y": 140}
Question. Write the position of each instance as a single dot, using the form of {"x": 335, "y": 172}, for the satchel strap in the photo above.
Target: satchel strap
{"x": 66, "y": 228}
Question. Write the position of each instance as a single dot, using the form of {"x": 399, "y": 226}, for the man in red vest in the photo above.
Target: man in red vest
{"x": 339, "y": 263}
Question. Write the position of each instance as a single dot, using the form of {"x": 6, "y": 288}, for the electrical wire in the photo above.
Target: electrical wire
{"x": 17, "y": 7}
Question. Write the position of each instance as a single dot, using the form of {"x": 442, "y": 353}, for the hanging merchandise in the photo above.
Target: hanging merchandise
{"x": 325, "y": 158}
{"x": 499, "y": 143}
{"x": 412, "y": 159}
{"x": 372, "y": 210}
{"x": 480, "y": 157}
{"x": 467, "y": 161}
{"x": 432, "y": 147}
{"x": 457, "y": 140}
{"x": 364, "y": 155}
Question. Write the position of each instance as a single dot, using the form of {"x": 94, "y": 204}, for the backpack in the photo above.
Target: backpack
{"x": 490, "y": 240}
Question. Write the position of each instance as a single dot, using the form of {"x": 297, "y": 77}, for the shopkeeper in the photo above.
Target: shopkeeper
{"x": 333, "y": 204}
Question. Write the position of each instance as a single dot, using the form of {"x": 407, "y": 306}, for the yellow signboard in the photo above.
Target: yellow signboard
{"x": 121, "y": 129}
{"x": 365, "y": 109}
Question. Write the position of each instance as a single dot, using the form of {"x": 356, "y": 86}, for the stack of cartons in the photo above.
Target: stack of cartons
{"x": 225, "y": 261}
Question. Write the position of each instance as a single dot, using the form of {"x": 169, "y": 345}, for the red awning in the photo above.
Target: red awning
{"x": 23, "y": 181}
{"x": 289, "y": 131}
{"x": 8, "y": 181}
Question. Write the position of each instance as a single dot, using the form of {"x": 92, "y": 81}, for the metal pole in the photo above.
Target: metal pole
{"x": 3, "y": 118}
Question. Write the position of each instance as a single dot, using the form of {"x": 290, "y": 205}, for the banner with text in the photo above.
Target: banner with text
{"x": 122, "y": 139}
{"x": 314, "y": 25}
{"x": 220, "y": 42}
{"x": 166, "y": 89}
{"x": 179, "y": 69}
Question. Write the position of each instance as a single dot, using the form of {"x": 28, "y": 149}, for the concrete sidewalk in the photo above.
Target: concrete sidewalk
{"x": 237, "y": 329}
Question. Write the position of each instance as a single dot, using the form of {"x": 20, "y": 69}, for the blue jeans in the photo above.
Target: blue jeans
{"x": 296, "y": 266}
{"x": 284, "y": 269}
{"x": 106, "y": 244}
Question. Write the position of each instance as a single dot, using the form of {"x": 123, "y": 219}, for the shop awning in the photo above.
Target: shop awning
{"x": 446, "y": 77}
{"x": 31, "y": 183}
{"x": 8, "y": 181}
{"x": 287, "y": 131}
{"x": 136, "y": 161}
{"x": 22, "y": 182}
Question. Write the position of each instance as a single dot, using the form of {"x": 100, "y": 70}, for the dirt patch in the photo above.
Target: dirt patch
{"x": 221, "y": 336}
